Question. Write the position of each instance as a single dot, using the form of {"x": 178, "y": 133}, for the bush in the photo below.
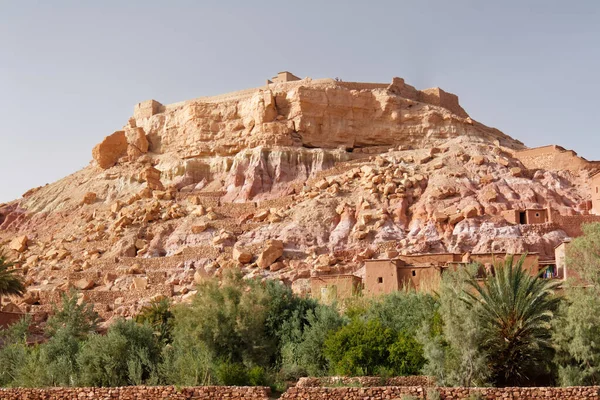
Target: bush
{"x": 364, "y": 348}
{"x": 127, "y": 355}
{"x": 78, "y": 318}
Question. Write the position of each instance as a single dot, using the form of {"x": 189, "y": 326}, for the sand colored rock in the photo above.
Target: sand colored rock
{"x": 108, "y": 152}
{"x": 19, "y": 244}
{"x": 272, "y": 251}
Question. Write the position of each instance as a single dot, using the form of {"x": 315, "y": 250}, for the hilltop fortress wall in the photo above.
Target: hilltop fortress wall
{"x": 433, "y": 96}
{"x": 554, "y": 157}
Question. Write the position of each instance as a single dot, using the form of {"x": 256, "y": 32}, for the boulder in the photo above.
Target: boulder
{"x": 199, "y": 228}
{"x": 108, "y": 152}
{"x": 140, "y": 283}
{"x": 241, "y": 255}
{"x": 89, "y": 198}
{"x": 516, "y": 171}
{"x": 478, "y": 160}
{"x": 272, "y": 251}
{"x": 19, "y": 244}
{"x": 151, "y": 175}
{"x": 276, "y": 266}
{"x": 84, "y": 284}
{"x": 455, "y": 218}
{"x": 470, "y": 212}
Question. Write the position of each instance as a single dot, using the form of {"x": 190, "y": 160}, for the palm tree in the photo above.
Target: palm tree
{"x": 10, "y": 283}
{"x": 515, "y": 310}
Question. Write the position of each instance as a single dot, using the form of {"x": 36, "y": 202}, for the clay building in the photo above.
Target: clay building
{"x": 595, "y": 187}
{"x": 331, "y": 288}
{"x": 390, "y": 275}
{"x": 423, "y": 271}
{"x": 527, "y": 216}
{"x": 147, "y": 108}
{"x": 282, "y": 77}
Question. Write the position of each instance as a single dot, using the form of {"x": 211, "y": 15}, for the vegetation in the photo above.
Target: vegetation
{"x": 10, "y": 283}
{"x": 514, "y": 311}
{"x": 507, "y": 329}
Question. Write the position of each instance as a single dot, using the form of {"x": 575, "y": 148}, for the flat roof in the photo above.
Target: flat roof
{"x": 452, "y": 254}
{"x": 335, "y": 276}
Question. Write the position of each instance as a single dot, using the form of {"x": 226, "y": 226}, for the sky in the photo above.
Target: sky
{"x": 71, "y": 71}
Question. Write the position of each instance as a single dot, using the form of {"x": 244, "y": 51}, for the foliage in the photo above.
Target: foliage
{"x": 362, "y": 348}
{"x": 159, "y": 316}
{"x": 229, "y": 317}
{"x": 576, "y": 336}
{"x": 451, "y": 338}
{"x": 187, "y": 363}
{"x": 10, "y": 283}
{"x": 78, "y": 318}
{"x": 514, "y": 310}
{"x": 433, "y": 394}
{"x": 127, "y": 354}
{"x": 415, "y": 309}
{"x": 303, "y": 351}
{"x": 583, "y": 254}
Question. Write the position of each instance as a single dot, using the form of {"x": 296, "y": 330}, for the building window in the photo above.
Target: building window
{"x": 596, "y": 189}
{"x": 537, "y": 215}
{"x": 380, "y": 280}
{"x": 414, "y": 273}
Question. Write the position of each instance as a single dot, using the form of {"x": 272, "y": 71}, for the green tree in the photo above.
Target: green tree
{"x": 159, "y": 316}
{"x": 367, "y": 347}
{"x": 451, "y": 338}
{"x": 230, "y": 319}
{"x": 576, "y": 336}
{"x": 303, "y": 348}
{"x": 78, "y": 318}
{"x": 583, "y": 254}
{"x": 515, "y": 312}
{"x": 128, "y": 354}
{"x": 10, "y": 283}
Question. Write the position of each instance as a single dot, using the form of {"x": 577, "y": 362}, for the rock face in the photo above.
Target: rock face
{"x": 289, "y": 180}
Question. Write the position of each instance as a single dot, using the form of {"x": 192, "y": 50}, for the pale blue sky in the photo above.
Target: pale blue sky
{"x": 71, "y": 71}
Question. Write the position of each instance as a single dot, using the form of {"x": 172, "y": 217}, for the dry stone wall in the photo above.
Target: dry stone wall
{"x": 354, "y": 393}
{"x": 420, "y": 392}
{"x": 139, "y": 393}
{"x": 366, "y": 381}
{"x": 299, "y": 393}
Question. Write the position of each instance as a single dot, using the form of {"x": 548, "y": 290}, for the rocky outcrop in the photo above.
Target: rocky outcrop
{"x": 108, "y": 152}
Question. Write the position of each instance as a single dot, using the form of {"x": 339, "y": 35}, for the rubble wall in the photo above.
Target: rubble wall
{"x": 420, "y": 392}
{"x": 139, "y": 393}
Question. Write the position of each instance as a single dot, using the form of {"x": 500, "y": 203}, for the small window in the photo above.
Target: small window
{"x": 414, "y": 273}
{"x": 380, "y": 280}
{"x": 537, "y": 215}
{"x": 596, "y": 189}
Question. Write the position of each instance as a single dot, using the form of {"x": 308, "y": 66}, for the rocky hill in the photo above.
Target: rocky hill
{"x": 289, "y": 180}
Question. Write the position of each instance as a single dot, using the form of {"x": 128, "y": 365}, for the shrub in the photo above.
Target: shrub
{"x": 128, "y": 354}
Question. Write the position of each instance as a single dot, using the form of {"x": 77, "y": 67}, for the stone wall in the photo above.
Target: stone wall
{"x": 354, "y": 393}
{"x": 553, "y": 158}
{"x": 139, "y": 393}
{"x": 420, "y": 392}
{"x": 300, "y": 393}
{"x": 366, "y": 381}
{"x": 570, "y": 393}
